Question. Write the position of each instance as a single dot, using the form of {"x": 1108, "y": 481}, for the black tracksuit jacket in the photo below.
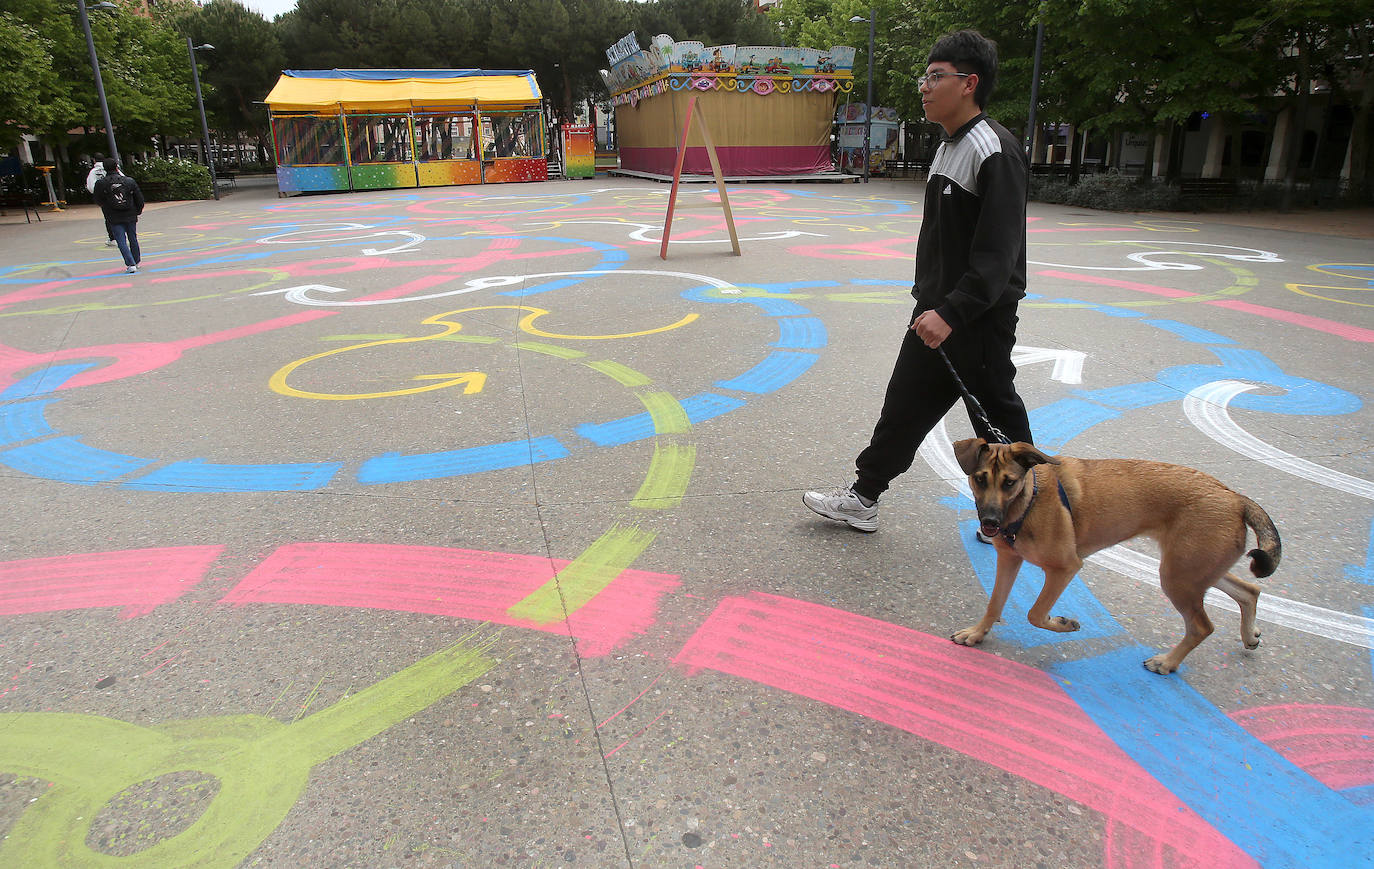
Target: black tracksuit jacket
{"x": 976, "y": 195}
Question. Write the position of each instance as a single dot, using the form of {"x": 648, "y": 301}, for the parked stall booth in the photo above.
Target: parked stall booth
{"x": 769, "y": 109}
{"x": 370, "y": 129}
{"x": 883, "y": 138}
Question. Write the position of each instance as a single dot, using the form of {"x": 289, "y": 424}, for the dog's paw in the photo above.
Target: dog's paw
{"x": 1062, "y": 624}
{"x": 1159, "y": 664}
{"x": 1253, "y": 642}
{"x": 968, "y": 636}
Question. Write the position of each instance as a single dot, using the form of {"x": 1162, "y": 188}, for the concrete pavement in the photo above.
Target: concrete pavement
{"x": 454, "y": 527}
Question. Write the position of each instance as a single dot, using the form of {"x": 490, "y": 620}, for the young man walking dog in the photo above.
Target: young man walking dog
{"x": 970, "y": 276}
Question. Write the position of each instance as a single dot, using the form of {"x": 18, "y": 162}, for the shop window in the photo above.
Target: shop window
{"x": 378, "y": 139}
{"x": 516, "y": 134}
{"x": 444, "y": 137}
{"x": 308, "y": 141}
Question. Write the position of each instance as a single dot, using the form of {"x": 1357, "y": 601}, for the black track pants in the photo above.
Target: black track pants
{"x": 922, "y": 391}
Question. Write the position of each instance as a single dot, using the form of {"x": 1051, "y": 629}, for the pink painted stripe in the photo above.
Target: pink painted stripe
{"x": 462, "y": 583}
{"x": 136, "y": 579}
{"x": 1153, "y": 290}
{"x": 1320, "y": 324}
{"x": 1006, "y": 714}
{"x": 1333, "y": 744}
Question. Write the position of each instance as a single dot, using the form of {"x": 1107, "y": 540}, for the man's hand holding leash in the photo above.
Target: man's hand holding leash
{"x": 931, "y": 328}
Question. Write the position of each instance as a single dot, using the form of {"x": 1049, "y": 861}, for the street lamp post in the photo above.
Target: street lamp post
{"x": 868, "y": 108}
{"x": 200, "y": 104}
{"x": 1035, "y": 90}
{"x": 95, "y": 67}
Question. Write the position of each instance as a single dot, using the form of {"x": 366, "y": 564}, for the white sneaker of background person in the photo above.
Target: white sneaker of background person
{"x": 844, "y": 505}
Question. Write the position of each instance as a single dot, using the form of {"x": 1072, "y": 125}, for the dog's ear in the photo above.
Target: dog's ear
{"x": 969, "y": 453}
{"x": 1028, "y": 456}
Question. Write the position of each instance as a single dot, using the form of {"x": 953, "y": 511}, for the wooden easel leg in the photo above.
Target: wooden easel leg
{"x": 677, "y": 177}
{"x": 720, "y": 183}
{"x": 715, "y": 169}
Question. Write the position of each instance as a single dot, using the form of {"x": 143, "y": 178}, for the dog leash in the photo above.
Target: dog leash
{"x": 972, "y": 402}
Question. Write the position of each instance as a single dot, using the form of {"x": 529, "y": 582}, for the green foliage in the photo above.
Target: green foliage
{"x": 41, "y": 53}
{"x": 713, "y": 22}
{"x": 30, "y": 87}
{"x": 47, "y": 85}
{"x": 822, "y": 24}
{"x": 1109, "y": 65}
{"x": 184, "y": 179}
{"x": 1109, "y": 191}
{"x": 243, "y": 66}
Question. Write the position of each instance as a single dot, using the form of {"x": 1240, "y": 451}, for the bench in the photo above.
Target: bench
{"x": 905, "y": 168}
{"x": 226, "y": 179}
{"x": 1205, "y": 191}
{"x": 11, "y": 199}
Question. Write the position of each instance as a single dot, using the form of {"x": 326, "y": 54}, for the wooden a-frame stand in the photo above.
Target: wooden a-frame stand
{"x": 715, "y": 169}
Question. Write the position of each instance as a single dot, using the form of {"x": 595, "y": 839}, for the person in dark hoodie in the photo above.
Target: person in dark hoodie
{"x": 970, "y": 276}
{"x": 122, "y": 202}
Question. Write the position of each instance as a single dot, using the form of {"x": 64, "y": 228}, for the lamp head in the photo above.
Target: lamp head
{"x": 105, "y": 5}
{"x": 858, "y": 18}
{"x": 206, "y": 47}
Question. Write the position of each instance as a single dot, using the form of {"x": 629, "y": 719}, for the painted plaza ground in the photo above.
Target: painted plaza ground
{"x": 454, "y": 527}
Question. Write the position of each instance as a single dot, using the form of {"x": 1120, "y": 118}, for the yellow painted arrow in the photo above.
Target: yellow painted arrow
{"x": 474, "y": 380}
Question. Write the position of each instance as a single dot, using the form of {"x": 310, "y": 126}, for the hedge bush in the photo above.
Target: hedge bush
{"x": 1108, "y": 191}
{"x": 184, "y": 178}
{"x": 1112, "y": 191}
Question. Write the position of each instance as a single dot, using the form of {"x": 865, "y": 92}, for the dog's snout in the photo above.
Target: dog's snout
{"x": 990, "y": 518}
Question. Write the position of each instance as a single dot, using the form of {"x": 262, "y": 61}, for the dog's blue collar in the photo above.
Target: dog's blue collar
{"x": 1009, "y": 532}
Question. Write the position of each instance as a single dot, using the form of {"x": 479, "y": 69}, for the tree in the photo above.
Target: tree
{"x": 822, "y": 25}
{"x": 143, "y": 67}
{"x": 711, "y": 22}
{"x": 242, "y": 68}
{"x": 32, "y": 95}
{"x": 147, "y": 79}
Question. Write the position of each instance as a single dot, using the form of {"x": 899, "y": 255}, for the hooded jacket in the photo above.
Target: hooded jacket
{"x": 119, "y": 198}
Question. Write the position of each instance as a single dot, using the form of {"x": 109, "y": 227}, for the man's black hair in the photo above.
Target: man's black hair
{"x": 969, "y": 51}
{"x": 111, "y": 165}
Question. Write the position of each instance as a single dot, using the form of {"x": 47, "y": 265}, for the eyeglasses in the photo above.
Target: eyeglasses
{"x": 934, "y": 78}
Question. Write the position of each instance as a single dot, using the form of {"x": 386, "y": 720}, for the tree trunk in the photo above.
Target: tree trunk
{"x": 1175, "y": 168}
{"x": 1298, "y": 128}
{"x": 1075, "y": 162}
{"x": 568, "y": 116}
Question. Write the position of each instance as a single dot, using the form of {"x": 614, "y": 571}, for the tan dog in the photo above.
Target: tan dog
{"x": 1056, "y": 511}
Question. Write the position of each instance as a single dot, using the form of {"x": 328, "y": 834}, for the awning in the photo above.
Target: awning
{"x": 402, "y": 89}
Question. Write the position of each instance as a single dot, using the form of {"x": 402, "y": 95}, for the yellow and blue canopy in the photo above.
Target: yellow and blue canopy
{"x": 389, "y": 90}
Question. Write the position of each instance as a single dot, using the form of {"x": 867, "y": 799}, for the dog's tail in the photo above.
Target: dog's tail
{"x": 1264, "y": 558}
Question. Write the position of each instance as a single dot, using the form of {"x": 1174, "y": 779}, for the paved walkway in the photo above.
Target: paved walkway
{"x": 1342, "y": 223}
{"x": 1338, "y": 223}
{"x": 455, "y": 528}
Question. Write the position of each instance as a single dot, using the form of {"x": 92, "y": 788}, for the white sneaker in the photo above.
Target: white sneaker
{"x": 133, "y": 270}
{"x": 843, "y": 505}
{"x": 111, "y": 243}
